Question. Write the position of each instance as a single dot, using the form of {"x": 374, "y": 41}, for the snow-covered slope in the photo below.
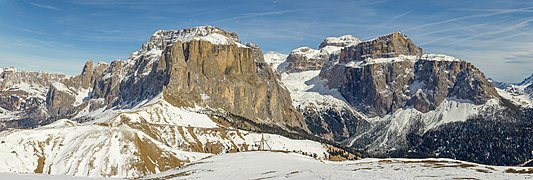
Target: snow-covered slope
{"x": 318, "y": 103}
{"x": 18, "y": 176}
{"x": 276, "y": 60}
{"x": 270, "y": 165}
{"x": 399, "y": 58}
{"x": 520, "y": 93}
{"x": 390, "y": 132}
{"x": 307, "y": 88}
{"x": 332, "y": 117}
{"x": 151, "y": 138}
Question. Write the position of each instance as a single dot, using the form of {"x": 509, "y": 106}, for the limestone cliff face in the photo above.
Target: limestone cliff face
{"x": 386, "y": 46}
{"x": 390, "y": 72}
{"x": 86, "y": 77}
{"x": 59, "y": 102}
{"x": 107, "y": 86}
{"x": 24, "y": 93}
{"x": 203, "y": 66}
{"x": 235, "y": 79}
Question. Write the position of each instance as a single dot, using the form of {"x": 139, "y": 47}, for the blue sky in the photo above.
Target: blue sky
{"x": 59, "y": 36}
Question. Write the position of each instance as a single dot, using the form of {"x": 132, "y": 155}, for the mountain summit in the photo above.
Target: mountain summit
{"x": 389, "y": 72}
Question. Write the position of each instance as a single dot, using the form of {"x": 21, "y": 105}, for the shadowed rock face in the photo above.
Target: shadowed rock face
{"x": 380, "y": 88}
{"x": 529, "y": 88}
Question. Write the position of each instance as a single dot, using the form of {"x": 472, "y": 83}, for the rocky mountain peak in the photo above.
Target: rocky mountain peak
{"x": 275, "y": 60}
{"x": 215, "y": 35}
{"x": 307, "y": 59}
{"x": 304, "y": 51}
{"x": 382, "y": 75}
{"x": 274, "y": 54}
{"x": 527, "y": 81}
{"x": 387, "y": 46}
{"x": 9, "y": 69}
{"x": 342, "y": 41}
{"x": 196, "y": 67}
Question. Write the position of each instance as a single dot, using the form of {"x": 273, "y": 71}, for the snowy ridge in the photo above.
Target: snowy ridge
{"x": 519, "y": 93}
{"x": 345, "y": 40}
{"x": 330, "y": 45}
{"x": 307, "y": 52}
{"x": 33, "y": 83}
{"x": 411, "y": 58}
{"x": 333, "y": 45}
{"x": 276, "y": 60}
{"x": 24, "y": 93}
{"x": 9, "y": 69}
{"x": 438, "y": 57}
{"x": 210, "y": 34}
{"x": 163, "y": 113}
{"x": 270, "y": 165}
{"x": 33, "y": 90}
{"x": 518, "y": 97}
{"x": 18, "y": 176}
{"x": 369, "y": 61}
{"x": 116, "y": 143}
{"x": 70, "y": 150}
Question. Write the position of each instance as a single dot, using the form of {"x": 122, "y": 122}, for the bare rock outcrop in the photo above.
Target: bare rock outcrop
{"x": 383, "y": 75}
{"x": 309, "y": 59}
{"x": 387, "y": 46}
{"x": 24, "y": 93}
{"x": 230, "y": 77}
{"x": 306, "y": 59}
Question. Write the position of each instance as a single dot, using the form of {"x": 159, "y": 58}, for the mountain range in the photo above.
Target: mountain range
{"x": 190, "y": 94}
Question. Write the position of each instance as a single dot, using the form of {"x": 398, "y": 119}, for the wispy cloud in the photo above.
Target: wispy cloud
{"x": 44, "y": 6}
{"x": 22, "y": 29}
{"x": 493, "y": 34}
{"x": 498, "y": 12}
{"x": 252, "y": 15}
{"x": 396, "y": 17}
{"x": 209, "y": 12}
